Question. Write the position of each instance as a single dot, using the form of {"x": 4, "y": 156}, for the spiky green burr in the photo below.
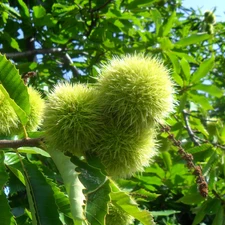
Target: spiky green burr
{"x": 8, "y": 118}
{"x": 71, "y": 119}
{"x": 10, "y": 123}
{"x": 123, "y": 151}
{"x": 37, "y": 105}
{"x": 136, "y": 89}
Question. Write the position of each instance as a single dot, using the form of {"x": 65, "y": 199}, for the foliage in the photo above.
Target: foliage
{"x": 70, "y": 40}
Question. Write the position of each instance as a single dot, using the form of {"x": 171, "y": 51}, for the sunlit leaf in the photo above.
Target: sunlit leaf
{"x": 193, "y": 39}
{"x": 203, "y": 70}
{"x": 14, "y": 89}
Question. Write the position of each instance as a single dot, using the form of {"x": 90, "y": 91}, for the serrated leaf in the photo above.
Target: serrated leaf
{"x": 126, "y": 203}
{"x": 14, "y": 89}
{"x": 143, "y": 195}
{"x": 198, "y": 149}
{"x": 61, "y": 199}
{"x": 97, "y": 189}
{"x": 6, "y": 216}
{"x": 41, "y": 196}
{"x": 204, "y": 68}
{"x": 97, "y": 204}
{"x": 74, "y": 187}
{"x": 193, "y": 39}
{"x": 3, "y": 174}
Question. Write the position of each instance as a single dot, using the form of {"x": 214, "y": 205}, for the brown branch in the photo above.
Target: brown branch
{"x": 66, "y": 57}
{"x": 33, "y": 52}
{"x": 31, "y": 142}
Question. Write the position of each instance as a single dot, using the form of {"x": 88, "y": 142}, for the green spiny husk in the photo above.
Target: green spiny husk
{"x": 71, "y": 119}
{"x": 9, "y": 119}
{"x": 136, "y": 90}
{"x": 123, "y": 151}
{"x": 10, "y": 123}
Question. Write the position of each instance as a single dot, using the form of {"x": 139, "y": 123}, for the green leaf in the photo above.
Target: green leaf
{"x": 11, "y": 158}
{"x": 201, "y": 101}
{"x": 164, "y": 212}
{"x": 200, "y": 214}
{"x": 156, "y": 169}
{"x": 97, "y": 189}
{"x": 198, "y": 149}
{"x": 39, "y": 12}
{"x": 186, "y": 69}
{"x": 33, "y": 150}
{"x": 24, "y": 8}
{"x": 14, "y": 89}
{"x": 204, "y": 68}
{"x": 211, "y": 89}
{"x": 97, "y": 204}
{"x": 74, "y": 187}
{"x": 6, "y": 216}
{"x": 219, "y": 218}
{"x": 167, "y": 160}
{"x": 139, "y": 4}
{"x": 189, "y": 58}
{"x": 61, "y": 199}
{"x": 3, "y": 174}
{"x": 122, "y": 200}
{"x": 191, "y": 199}
{"x": 167, "y": 27}
{"x": 176, "y": 64}
{"x": 193, "y": 39}
{"x": 157, "y": 18}
{"x": 41, "y": 196}
{"x": 143, "y": 195}
{"x": 18, "y": 174}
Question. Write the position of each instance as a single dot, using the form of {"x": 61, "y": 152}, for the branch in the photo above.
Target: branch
{"x": 102, "y": 6}
{"x": 31, "y": 142}
{"x": 34, "y": 52}
{"x": 66, "y": 56}
{"x": 189, "y": 130}
{"x": 69, "y": 61}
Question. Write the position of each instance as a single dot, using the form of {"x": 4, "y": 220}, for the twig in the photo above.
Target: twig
{"x": 189, "y": 130}
{"x": 69, "y": 61}
{"x": 102, "y": 6}
{"x": 34, "y": 52}
{"x": 66, "y": 57}
{"x": 31, "y": 142}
